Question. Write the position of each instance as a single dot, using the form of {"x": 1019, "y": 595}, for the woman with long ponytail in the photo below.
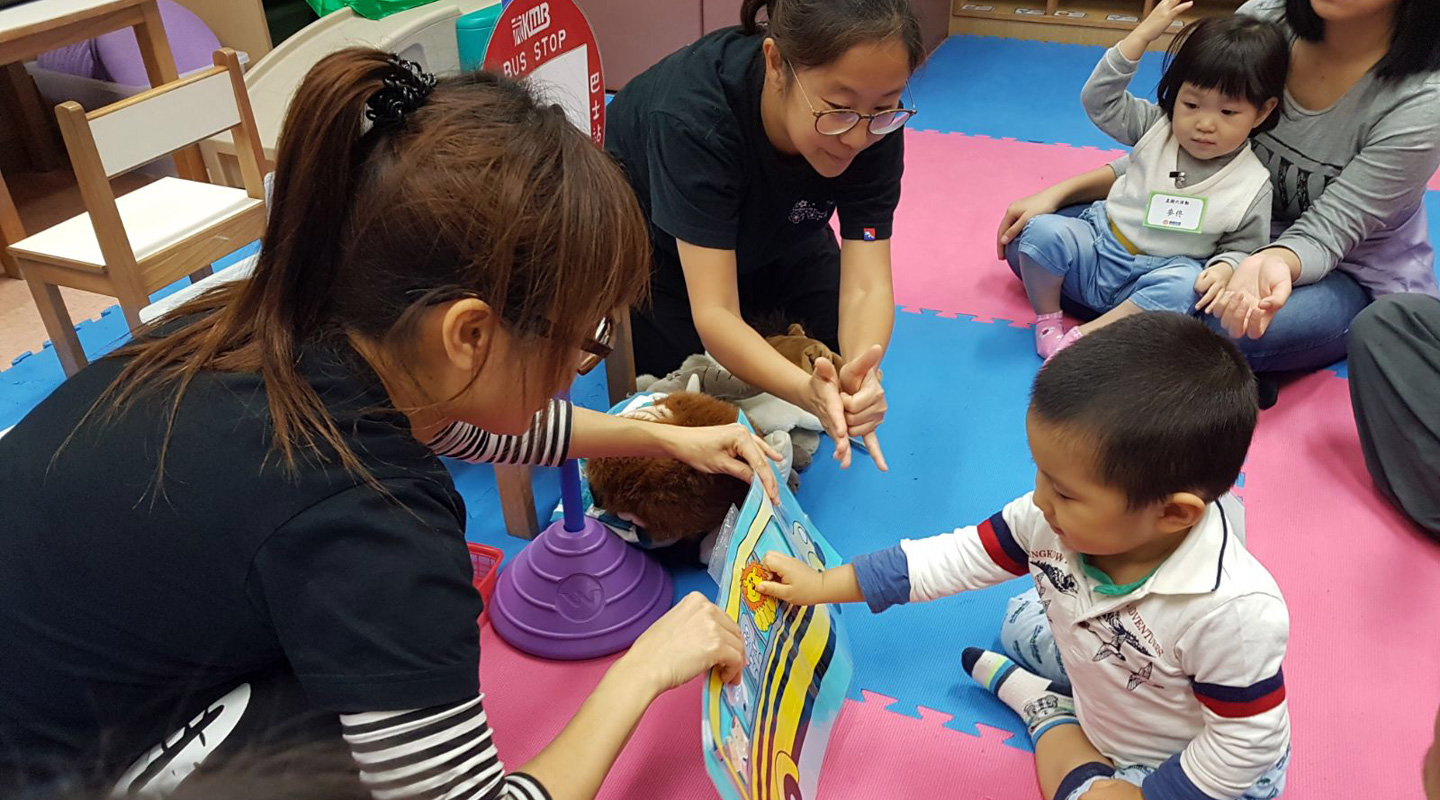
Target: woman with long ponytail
{"x": 234, "y": 536}
{"x": 741, "y": 147}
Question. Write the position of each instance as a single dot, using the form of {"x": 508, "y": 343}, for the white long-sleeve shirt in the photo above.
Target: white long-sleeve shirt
{"x": 1187, "y": 665}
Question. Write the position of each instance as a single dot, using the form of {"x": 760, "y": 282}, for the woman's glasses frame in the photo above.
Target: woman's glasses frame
{"x": 840, "y": 121}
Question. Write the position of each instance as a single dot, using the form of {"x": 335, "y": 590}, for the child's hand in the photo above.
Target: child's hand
{"x": 795, "y": 581}
{"x": 1153, "y": 27}
{"x": 1018, "y": 214}
{"x": 1211, "y": 283}
{"x": 1113, "y": 790}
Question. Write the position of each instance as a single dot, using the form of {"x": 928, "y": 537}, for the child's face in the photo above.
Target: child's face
{"x": 1088, "y": 516}
{"x": 1210, "y": 124}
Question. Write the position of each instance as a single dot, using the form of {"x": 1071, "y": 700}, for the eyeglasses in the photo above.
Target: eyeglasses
{"x": 839, "y": 121}
{"x": 597, "y": 348}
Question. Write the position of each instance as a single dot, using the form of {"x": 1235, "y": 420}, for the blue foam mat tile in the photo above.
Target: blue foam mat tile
{"x": 31, "y": 377}
{"x": 955, "y": 442}
{"x": 959, "y": 90}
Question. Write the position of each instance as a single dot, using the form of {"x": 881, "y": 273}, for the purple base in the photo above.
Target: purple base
{"x": 571, "y": 596}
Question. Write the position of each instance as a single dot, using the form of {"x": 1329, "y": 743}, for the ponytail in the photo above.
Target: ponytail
{"x": 480, "y": 190}
{"x": 814, "y": 33}
{"x": 315, "y": 175}
{"x": 750, "y": 15}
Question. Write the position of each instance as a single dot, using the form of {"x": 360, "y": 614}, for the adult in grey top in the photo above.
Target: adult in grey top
{"x": 1350, "y": 159}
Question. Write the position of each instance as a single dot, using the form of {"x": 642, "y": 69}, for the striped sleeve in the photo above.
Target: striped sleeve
{"x": 546, "y": 444}
{"x": 983, "y": 555}
{"x": 1234, "y": 656}
{"x": 440, "y": 753}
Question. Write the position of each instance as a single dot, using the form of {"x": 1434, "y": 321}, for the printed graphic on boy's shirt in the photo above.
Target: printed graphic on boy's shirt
{"x": 1062, "y": 580}
{"x": 1140, "y": 677}
{"x": 1115, "y": 637}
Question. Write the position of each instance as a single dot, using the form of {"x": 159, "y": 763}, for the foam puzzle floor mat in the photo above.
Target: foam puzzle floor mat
{"x": 1019, "y": 89}
{"x": 1358, "y": 578}
{"x": 961, "y": 89}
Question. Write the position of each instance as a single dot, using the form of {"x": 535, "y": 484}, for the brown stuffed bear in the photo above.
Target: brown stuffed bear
{"x": 670, "y": 500}
{"x": 803, "y": 351}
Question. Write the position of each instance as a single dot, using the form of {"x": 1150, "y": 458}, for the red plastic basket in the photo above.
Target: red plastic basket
{"x": 485, "y": 560}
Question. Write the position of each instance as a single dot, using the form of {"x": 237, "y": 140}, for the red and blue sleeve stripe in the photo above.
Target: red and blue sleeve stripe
{"x": 1233, "y": 702}
{"x": 1001, "y": 546}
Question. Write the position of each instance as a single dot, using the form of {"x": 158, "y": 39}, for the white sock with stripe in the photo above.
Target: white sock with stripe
{"x": 1041, "y": 703}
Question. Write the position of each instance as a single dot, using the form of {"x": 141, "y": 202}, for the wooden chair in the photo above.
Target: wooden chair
{"x": 131, "y": 246}
{"x": 517, "y": 495}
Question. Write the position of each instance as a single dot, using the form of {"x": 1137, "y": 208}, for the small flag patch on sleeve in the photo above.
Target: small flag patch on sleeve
{"x": 869, "y": 234}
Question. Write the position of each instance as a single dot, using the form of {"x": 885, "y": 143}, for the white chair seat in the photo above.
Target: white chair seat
{"x": 155, "y": 217}
{"x": 237, "y": 271}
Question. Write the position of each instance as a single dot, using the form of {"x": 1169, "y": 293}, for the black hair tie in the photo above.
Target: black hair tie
{"x": 405, "y": 89}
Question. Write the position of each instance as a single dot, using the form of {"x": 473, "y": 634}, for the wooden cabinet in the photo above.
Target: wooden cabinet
{"x": 634, "y": 34}
{"x": 1073, "y": 21}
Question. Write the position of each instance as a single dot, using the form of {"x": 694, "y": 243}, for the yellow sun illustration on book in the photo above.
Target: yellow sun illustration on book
{"x": 761, "y": 605}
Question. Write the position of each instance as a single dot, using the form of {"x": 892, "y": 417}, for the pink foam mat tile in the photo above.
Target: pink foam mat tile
{"x": 873, "y": 752}
{"x": 1363, "y": 588}
{"x": 955, "y": 192}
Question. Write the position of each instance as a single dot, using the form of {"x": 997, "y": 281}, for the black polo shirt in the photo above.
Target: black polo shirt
{"x": 689, "y": 135}
{"x": 119, "y": 601}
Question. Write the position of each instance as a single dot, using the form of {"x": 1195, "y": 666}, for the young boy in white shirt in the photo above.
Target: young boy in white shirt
{"x": 1172, "y": 634}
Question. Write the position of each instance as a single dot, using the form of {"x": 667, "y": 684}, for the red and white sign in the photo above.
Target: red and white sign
{"x": 549, "y": 43}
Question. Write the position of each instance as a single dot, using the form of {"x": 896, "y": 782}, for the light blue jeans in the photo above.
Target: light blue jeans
{"x": 1269, "y": 787}
{"x": 1099, "y": 272}
{"x": 1026, "y": 637}
{"x": 1307, "y": 334}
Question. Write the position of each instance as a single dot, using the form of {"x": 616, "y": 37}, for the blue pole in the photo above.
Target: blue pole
{"x": 570, "y": 490}
{"x": 570, "y": 496}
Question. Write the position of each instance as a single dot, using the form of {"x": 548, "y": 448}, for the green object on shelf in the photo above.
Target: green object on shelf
{"x": 370, "y": 9}
{"x": 472, "y": 34}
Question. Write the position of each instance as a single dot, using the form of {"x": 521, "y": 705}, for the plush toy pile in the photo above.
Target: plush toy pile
{"x": 668, "y": 502}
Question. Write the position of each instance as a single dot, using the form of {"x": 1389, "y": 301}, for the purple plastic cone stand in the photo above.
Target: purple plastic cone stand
{"x": 578, "y": 591}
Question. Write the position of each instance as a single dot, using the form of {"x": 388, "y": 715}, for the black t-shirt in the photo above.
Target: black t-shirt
{"x": 117, "y": 601}
{"x": 689, "y": 135}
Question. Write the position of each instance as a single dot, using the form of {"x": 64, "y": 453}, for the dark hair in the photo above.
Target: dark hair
{"x": 813, "y": 33}
{"x": 1237, "y": 55}
{"x": 483, "y": 190}
{"x": 1414, "y": 43}
{"x": 1170, "y": 405}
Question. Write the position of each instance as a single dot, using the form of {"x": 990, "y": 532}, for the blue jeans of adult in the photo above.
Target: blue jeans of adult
{"x": 1308, "y": 333}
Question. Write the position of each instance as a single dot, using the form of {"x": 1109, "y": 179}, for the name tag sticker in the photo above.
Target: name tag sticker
{"x": 1175, "y": 212}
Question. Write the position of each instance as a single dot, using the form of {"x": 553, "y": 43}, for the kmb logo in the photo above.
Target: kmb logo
{"x": 530, "y": 23}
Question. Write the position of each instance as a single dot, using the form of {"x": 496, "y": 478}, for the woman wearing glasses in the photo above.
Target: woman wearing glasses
{"x": 740, "y": 148}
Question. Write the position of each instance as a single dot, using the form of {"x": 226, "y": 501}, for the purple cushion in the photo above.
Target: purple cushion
{"x": 72, "y": 59}
{"x": 191, "y": 41}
